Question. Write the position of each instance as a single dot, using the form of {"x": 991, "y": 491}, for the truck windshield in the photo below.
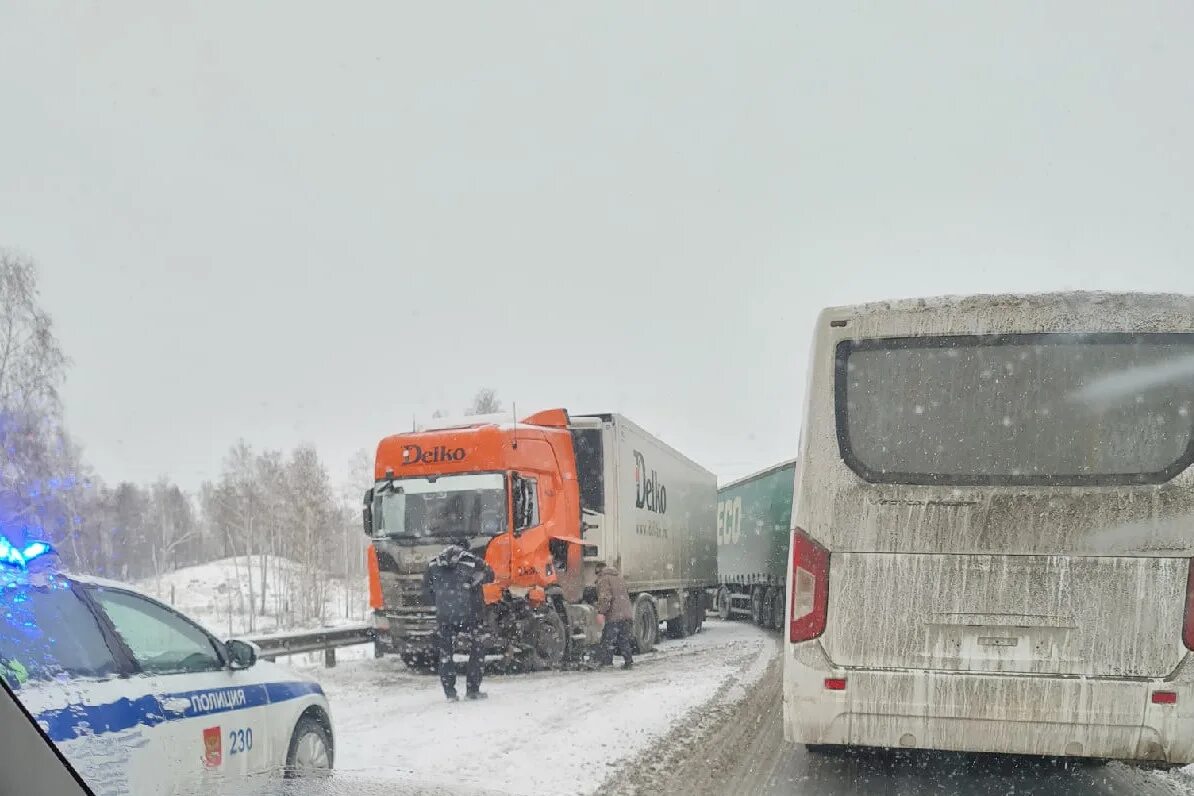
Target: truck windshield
{"x": 473, "y": 504}
{"x": 1058, "y": 409}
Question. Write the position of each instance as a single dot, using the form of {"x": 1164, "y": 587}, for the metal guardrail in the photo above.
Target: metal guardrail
{"x": 327, "y": 639}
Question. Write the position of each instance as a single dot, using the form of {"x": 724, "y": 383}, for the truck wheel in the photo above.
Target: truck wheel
{"x": 756, "y": 606}
{"x": 421, "y": 662}
{"x": 692, "y": 606}
{"x": 686, "y": 623}
{"x": 646, "y": 623}
{"x": 676, "y": 628}
{"x": 551, "y": 642}
{"x": 723, "y": 604}
{"x": 824, "y": 750}
{"x": 681, "y": 626}
{"x": 768, "y": 608}
{"x": 778, "y": 607}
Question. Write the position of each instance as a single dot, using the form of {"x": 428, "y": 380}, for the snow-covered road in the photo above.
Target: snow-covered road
{"x": 550, "y": 733}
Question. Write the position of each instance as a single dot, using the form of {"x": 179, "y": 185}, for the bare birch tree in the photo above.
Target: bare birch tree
{"x": 32, "y": 368}
{"x": 485, "y": 402}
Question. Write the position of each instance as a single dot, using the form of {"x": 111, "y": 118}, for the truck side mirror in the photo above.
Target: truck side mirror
{"x": 367, "y": 513}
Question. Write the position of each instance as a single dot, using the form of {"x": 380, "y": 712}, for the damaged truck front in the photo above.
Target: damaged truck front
{"x": 541, "y": 500}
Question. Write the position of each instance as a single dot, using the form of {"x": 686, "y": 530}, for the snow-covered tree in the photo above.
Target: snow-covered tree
{"x": 45, "y": 490}
{"x": 485, "y": 402}
{"x": 313, "y": 523}
{"x": 32, "y": 368}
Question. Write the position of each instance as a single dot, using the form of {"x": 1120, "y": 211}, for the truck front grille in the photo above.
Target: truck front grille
{"x": 410, "y": 591}
{"x": 409, "y": 616}
{"x": 408, "y": 623}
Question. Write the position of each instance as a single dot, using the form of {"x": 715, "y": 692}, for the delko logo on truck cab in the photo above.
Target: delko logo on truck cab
{"x": 649, "y": 494}
{"x": 414, "y": 454}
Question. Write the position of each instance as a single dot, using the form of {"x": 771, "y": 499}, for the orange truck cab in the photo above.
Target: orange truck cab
{"x": 538, "y": 500}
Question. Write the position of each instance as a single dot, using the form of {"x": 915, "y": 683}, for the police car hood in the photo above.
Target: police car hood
{"x": 268, "y": 671}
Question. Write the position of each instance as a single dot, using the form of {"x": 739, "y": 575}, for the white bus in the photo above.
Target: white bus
{"x": 994, "y": 525}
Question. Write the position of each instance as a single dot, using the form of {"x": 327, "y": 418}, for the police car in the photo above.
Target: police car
{"x": 141, "y": 699}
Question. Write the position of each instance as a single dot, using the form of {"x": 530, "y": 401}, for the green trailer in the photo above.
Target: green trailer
{"x": 754, "y": 527}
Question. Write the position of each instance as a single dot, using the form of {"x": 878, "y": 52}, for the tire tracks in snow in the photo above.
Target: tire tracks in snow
{"x": 703, "y": 749}
{"x": 737, "y": 746}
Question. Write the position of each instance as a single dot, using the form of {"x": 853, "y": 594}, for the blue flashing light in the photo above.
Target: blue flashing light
{"x": 20, "y": 557}
{"x": 34, "y": 550}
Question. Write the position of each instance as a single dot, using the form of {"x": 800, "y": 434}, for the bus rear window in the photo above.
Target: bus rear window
{"x": 1047, "y": 409}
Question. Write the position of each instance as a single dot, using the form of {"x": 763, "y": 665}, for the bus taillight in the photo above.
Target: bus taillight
{"x": 810, "y": 588}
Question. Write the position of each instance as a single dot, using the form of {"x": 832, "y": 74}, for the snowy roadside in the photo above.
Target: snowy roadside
{"x": 551, "y": 732}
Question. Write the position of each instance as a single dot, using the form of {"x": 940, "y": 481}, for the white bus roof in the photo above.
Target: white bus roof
{"x": 1045, "y": 312}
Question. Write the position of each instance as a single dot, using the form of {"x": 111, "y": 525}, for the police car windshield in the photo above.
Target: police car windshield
{"x": 47, "y": 632}
{"x": 472, "y": 504}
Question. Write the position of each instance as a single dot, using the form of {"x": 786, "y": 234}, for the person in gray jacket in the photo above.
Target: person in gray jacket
{"x": 613, "y": 604}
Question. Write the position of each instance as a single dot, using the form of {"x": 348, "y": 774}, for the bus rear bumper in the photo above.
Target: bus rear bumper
{"x": 1028, "y": 715}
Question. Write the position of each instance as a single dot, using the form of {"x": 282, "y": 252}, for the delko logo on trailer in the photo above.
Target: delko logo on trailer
{"x": 414, "y": 454}
{"x": 649, "y": 493}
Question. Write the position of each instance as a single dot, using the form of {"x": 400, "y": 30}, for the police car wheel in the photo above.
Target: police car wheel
{"x": 310, "y": 749}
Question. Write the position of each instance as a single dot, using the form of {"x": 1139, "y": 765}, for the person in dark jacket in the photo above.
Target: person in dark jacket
{"x": 613, "y": 604}
{"x": 453, "y": 584}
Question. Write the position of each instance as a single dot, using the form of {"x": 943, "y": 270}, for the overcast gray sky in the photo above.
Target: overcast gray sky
{"x": 307, "y": 221}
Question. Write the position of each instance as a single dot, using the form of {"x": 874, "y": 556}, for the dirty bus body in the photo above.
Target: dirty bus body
{"x": 754, "y": 524}
{"x": 992, "y": 548}
{"x": 541, "y": 501}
